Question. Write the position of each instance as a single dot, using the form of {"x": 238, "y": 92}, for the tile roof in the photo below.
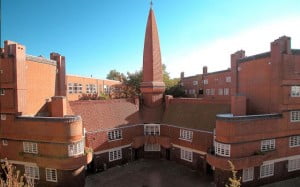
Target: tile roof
{"x": 201, "y": 116}
{"x": 98, "y": 115}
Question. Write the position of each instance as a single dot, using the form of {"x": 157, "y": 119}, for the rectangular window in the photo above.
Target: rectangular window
{"x": 295, "y": 91}
{"x": 152, "y": 147}
{"x": 76, "y": 148}
{"x": 266, "y": 170}
{"x": 186, "y": 155}
{"x": 80, "y": 88}
{"x": 248, "y": 174}
{"x": 2, "y": 91}
{"x": 115, "y": 134}
{"x": 32, "y": 172}
{"x": 4, "y": 142}
{"x": 226, "y": 91}
{"x": 294, "y": 141}
{"x": 294, "y": 165}
{"x": 228, "y": 79}
{"x": 212, "y": 91}
{"x": 222, "y": 149}
{"x": 3, "y": 117}
{"x": 267, "y": 145}
{"x": 51, "y": 175}
{"x": 151, "y": 129}
{"x": 195, "y": 83}
{"x": 30, "y": 147}
{"x": 295, "y": 116}
{"x": 1, "y": 71}
{"x": 205, "y": 81}
{"x": 207, "y": 91}
{"x": 115, "y": 155}
{"x": 186, "y": 135}
{"x": 220, "y": 91}
{"x": 70, "y": 88}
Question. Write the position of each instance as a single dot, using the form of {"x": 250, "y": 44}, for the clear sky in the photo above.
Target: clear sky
{"x": 99, "y": 35}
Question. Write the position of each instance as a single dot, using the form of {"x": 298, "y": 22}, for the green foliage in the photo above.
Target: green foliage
{"x": 10, "y": 177}
{"x": 175, "y": 91}
{"x": 115, "y": 75}
{"x": 233, "y": 181}
{"x": 133, "y": 83}
{"x": 94, "y": 97}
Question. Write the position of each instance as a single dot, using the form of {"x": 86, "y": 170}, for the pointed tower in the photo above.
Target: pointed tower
{"x": 152, "y": 87}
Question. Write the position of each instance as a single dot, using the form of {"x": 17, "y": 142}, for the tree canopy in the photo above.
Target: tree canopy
{"x": 115, "y": 75}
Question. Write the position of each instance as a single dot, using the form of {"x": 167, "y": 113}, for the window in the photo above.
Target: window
{"x": 115, "y": 155}
{"x": 195, "y": 83}
{"x": 76, "y": 148}
{"x": 3, "y": 116}
{"x": 185, "y": 91}
{"x": 267, "y": 145}
{"x": 212, "y": 91}
{"x": 226, "y": 91}
{"x": 222, "y": 149}
{"x": 152, "y": 147}
{"x": 248, "y": 174}
{"x": 70, "y": 88}
{"x": 207, "y": 91}
{"x": 30, "y": 147}
{"x": 151, "y": 129}
{"x": 115, "y": 134}
{"x": 295, "y": 91}
{"x": 220, "y": 91}
{"x": 294, "y": 165}
{"x": 2, "y": 91}
{"x": 294, "y": 141}
{"x": 91, "y": 88}
{"x": 51, "y": 175}
{"x": 32, "y": 172}
{"x": 200, "y": 92}
{"x": 295, "y": 116}
{"x": 4, "y": 142}
{"x": 266, "y": 170}
{"x": 228, "y": 79}
{"x": 186, "y": 134}
{"x": 205, "y": 81}
{"x": 80, "y": 88}
{"x": 1, "y": 71}
{"x": 186, "y": 155}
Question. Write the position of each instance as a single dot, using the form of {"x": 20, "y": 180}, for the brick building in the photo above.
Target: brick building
{"x": 248, "y": 114}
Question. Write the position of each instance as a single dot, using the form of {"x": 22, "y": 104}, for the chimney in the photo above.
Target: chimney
{"x": 58, "y": 106}
{"x": 181, "y": 75}
{"x": 61, "y": 74}
{"x": 234, "y": 70}
{"x": 204, "y": 70}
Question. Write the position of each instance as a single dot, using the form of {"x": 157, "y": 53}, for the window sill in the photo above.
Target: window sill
{"x": 187, "y": 140}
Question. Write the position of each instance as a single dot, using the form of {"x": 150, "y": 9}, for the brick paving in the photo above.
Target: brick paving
{"x": 149, "y": 173}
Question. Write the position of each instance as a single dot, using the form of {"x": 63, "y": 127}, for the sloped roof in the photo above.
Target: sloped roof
{"x": 201, "y": 116}
{"x": 97, "y": 115}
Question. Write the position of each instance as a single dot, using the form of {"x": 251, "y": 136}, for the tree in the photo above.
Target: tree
{"x": 115, "y": 75}
{"x": 233, "y": 181}
{"x": 133, "y": 83}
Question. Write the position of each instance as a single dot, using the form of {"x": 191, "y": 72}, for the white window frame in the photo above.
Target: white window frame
{"x": 205, "y": 81}
{"x": 295, "y": 91}
{"x": 212, "y": 91}
{"x": 70, "y": 88}
{"x": 32, "y": 172}
{"x": 294, "y": 141}
{"x": 1, "y": 71}
{"x": 4, "y": 142}
{"x": 51, "y": 174}
{"x": 268, "y": 145}
{"x": 76, "y": 148}
{"x": 220, "y": 91}
{"x": 2, "y": 91}
{"x": 266, "y": 170}
{"x": 222, "y": 149}
{"x": 207, "y": 91}
{"x": 151, "y": 147}
{"x": 152, "y": 129}
{"x": 186, "y": 155}
{"x": 248, "y": 174}
{"x": 115, "y": 134}
{"x": 195, "y": 83}
{"x": 186, "y": 135}
{"x": 295, "y": 116}
{"x": 115, "y": 154}
{"x": 294, "y": 165}
{"x": 228, "y": 79}
{"x": 3, "y": 117}
{"x": 226, "y": 91}
{"x": 30, "y": 147}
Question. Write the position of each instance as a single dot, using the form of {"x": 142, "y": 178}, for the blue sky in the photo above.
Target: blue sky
{"x": 99, "y": 35}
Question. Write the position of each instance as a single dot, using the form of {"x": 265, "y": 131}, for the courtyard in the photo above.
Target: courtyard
{"x": 149, "y": 173}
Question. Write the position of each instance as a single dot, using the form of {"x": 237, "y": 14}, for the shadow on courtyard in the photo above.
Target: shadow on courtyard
{"x": 149, "y": 173}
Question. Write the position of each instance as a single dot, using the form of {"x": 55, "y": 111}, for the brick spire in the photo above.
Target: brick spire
{"x": 152, "y": 86}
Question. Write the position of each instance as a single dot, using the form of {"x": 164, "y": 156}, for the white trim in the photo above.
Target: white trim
{"x": 186, "y": 154}
{"x": 189, "y": 149}
{"x": 48, "y": 173}
{"x": 196, "y": 130}
{"x": 19, "y": 162}
{"x": 115, "y": 148}
{"x": 270, "y": 171}
{"x": 105, "y": 130}
{"x": 249, "y": 173}
{"x": 282, "y": 159}
{"x": 115, "y": 155}
{"x": 146, "y": 126}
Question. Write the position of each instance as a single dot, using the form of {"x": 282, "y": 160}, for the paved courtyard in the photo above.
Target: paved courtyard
{"x": 149, "y": 173}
